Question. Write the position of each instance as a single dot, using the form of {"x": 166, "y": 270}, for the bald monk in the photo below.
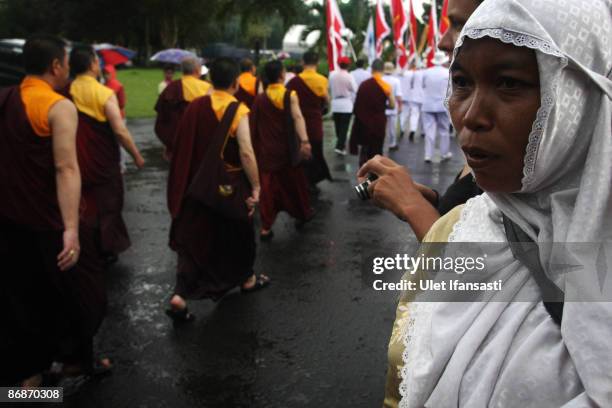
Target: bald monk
{"x": 276, "y": 117}
{"x": 215, "y": 253}
{"x": 174, "y": 99}
{"x": 100, "y": 133}
{"x": 312, "y": 91}
{"x": 248, "y": 84}
{"x": 50, "y": 305}
{"x": 374, "y": 96}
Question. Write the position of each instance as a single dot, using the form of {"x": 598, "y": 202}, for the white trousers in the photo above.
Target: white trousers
{"x": 436, "y": 123}
{"x": 392, "y": 130}
{"x": 410, "y": 117}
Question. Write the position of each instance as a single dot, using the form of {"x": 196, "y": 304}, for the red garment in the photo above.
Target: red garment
{"x": 215, "y": 254}
{"x": 114, "y": 84}
{"x": 283, "y": 187}
{"x": 370, "y": 120}
{"x": 102, "y": 190}
{"x": 43, "y": 310}
{"x": 169, "y": 107}
{"x": 312, "y": 107}
{"x": 27, "y": 184}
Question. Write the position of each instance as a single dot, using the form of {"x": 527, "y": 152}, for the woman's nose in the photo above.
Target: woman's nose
{"x": 477, "y": 115}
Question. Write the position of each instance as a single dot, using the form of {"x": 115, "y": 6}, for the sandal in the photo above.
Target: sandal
{"x": 266, "y": 237}
{"x": 261, "y": 282}
{"x": 180, "y": 316}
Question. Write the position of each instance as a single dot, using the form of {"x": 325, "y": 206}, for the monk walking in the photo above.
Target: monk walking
{"x": 374, "y": 96}
{"x": 101, "y": 130}
{"x": 312, "y": 91}
{"x": 248, "y": 84}
{"x": 276, "y": 117}
{"x": 174, "y": 99}
{"x": 50, "y": 308}
{"x": 216, "y": 251}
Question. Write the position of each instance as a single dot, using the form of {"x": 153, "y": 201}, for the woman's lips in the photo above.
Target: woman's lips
{"x": 478, "y": 158}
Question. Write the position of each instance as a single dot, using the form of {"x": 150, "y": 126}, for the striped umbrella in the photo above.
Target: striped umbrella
{"x": 172, "y": 56}
{"x": 110, "y": 54}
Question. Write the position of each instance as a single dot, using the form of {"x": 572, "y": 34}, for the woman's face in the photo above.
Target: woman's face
{"x": 495, "y": 98}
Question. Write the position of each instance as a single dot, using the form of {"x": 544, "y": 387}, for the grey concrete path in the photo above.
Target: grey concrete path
{"x": 316, "y": 337}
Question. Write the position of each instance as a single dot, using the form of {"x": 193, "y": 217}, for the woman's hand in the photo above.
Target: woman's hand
{"x": 253, "y": 200}
{"x": 394, "y": 189}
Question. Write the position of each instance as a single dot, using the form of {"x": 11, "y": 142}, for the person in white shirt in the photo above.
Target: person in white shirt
{"x": 343, "y": 89}
{"x": 168, "y": 77}
{"x": 435, "y": 116}
{"x": 392, "y": 113}
{"x": 360, "y": 74}
{"x": 412, "y": 87}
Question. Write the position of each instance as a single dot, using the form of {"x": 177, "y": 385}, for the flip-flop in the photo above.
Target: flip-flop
{"x": 261, "y": 282}
{"x": 266, "y": 237}
{"x": 180, "y": 316}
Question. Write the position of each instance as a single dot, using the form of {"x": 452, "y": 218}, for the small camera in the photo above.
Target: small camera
{"x": 362, "y": 189}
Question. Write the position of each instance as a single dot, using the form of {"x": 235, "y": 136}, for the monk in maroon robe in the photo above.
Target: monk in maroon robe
{"x": 370, "y": 119}
{"x": 101, "y": 131}
{"x": 312, "y": 91}
{"x": 215, "y": 252}
{"x": 248, "y": 84}
{"x": 52, "y": 297}
{"x": 174, "y": 99}
{"x": 275, "y": 118}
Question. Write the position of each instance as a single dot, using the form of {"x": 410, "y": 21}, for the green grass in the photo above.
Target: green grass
{"x": 141, "y": 90}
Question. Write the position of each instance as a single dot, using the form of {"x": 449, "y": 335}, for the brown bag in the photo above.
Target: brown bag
{"x": 223, "y": 191}
{"x": 294, "y": 140}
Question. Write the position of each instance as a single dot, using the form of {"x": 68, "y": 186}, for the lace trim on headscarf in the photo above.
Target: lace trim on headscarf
{"x": 547, "y": 98}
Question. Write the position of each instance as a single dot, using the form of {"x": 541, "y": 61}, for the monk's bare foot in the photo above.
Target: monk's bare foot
{"x": 177, "y": 303}
{"x": 255, "y": 283}
{"x": 266, "y": 234}
{"x": 32, "y": 382}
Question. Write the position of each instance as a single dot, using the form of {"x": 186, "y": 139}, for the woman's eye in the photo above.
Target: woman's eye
{"x": 459, "y": 81}
{"x": 509, "y": 83}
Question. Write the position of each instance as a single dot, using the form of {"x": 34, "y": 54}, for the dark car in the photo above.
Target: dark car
{"x": 11, "y": 61}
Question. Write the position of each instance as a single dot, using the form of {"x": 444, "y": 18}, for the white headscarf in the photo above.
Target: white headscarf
{"x": 505, "y": 354}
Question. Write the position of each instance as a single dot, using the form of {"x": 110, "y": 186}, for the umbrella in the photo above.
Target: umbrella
{"x": 113, "y": 54}
{"x": 172, "y": 56}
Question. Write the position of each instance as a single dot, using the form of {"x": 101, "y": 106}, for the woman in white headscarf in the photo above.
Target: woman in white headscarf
{"x": 531, "y": 101}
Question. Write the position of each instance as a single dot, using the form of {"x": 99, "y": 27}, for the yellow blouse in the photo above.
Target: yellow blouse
{"x": 276, "y": 93}
{"x": 90, "y": 96}
{"x": 383, "y": 84}
{"x": 194, "y": 87}
{"x": 248, "y": 81}
{"x": 38, "y": 98}
{"x": 438, "y": 232}
{"x": 315, "y": 81}
{"x": 220, "y": 100}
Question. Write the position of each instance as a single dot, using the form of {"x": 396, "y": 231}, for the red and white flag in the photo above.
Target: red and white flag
{"x": 400, "y": 26}
{"x": 432, "y": 33}
{"x": 382, "y": 28}
{"x": 413, "y": 34}
{"x": 335, "y": 26}
{"x": 444, "y": 22}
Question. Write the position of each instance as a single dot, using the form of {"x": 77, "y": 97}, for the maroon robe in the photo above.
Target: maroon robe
{"x": 169, "y": 107}
{"x": 283, "y": 187}
{"x": 245, "y": 97}
{"x": 312, "y": 107}
{"x": 370, "y": 120}
{"x": 46, "y": 313}
{"x": 102, "y": 191}
{"x": 215, "y": 254}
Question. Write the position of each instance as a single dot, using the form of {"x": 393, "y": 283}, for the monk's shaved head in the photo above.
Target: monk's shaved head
{"x": 223, "y": 73}
{"x": 40, "y": 51}
{"x": 378, "y": 65}
{"x": 190, "y": 66}
{"x": 81, "y": 58}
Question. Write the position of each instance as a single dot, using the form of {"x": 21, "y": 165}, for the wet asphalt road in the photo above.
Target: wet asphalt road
{"x": 316, "y": 337}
